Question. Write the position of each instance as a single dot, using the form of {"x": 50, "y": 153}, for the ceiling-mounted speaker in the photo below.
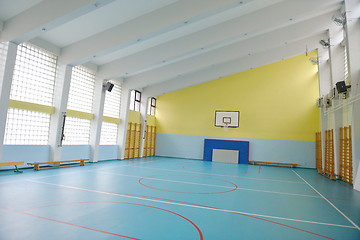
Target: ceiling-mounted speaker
{"x": 108, "y": 86}
{"x": 341, "y": 87}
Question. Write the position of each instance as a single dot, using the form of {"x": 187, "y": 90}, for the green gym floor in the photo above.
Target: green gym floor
{"x": 159, "y": 198}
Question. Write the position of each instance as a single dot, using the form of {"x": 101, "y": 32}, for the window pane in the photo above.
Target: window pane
{"x": 34, "y": 75}
{"x": 77, "y": 131}
{"x": 132, "y": 100}
{"x": 108, "y": 133}
{"x": 26, "y": 127}
{"x": 112, "y": 102}
{"x": 81, "y": 89}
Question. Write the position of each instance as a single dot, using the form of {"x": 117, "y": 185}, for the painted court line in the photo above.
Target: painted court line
{"x": 203, "y": 184}
{"x": 67, "y": 223}
{"x": 179, "y": 203}
{"x": 354, "y": 224}
{"x": 222, "y": 175}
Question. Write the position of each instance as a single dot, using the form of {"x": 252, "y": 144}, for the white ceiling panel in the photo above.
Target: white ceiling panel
{"x": 106, "y": 17}
{"x": 165, "y": 45}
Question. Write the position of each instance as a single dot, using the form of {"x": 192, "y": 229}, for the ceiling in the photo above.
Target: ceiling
{"x": 160, "y": 46}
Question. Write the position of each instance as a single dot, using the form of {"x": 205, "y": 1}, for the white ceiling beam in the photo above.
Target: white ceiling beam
{"x": 135, "y": 30}
{"x": 249, "y": 46}
{"x": 274, "y": 15}
{"x": 234, "y": 66}
{"x": 44, "y": 16}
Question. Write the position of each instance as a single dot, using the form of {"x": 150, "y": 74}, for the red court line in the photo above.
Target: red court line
{"x": 165, "y": 190}
{"x": 70, "y": 224}
{"x": 344, "y": 185}
{"x": 136, "y": 204}
{"x": 194, "y": 204}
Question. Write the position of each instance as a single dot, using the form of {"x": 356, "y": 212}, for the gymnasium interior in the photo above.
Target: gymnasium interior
{"x": 179, "y": 119}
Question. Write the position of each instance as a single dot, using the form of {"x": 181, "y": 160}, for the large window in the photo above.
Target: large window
{"x": 135, "y": 100}
{"x": 26, "y": 127}
{"x": 151, "y": 106}
{"x": 112, "y": 101}
{"x": 81, "y": 89}
{"x": 111, "y": 119}
{"x": 31, "y": 96}
{"x": 80, "y": 103}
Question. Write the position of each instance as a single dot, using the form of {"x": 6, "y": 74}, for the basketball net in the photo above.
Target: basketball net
{"x": 226, "y": 126}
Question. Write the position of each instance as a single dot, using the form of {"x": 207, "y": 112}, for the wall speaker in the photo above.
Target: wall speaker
{"x": 341, "y": 87}
{"x": 108, "y": 86}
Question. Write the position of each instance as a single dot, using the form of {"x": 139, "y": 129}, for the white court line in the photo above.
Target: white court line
{"x": 203, "y": 184}
{"x": 193, "y": 206}
{"x": 222, "y": 175}
{"x": 354, "y": 224}
{"x": 61, "y": 174}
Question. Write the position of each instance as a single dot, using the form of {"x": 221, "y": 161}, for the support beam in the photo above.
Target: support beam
{"x": 96, "y": 123}
{"x": 7, "y": 65}
{"x": 251, "y": 45}
{"x": 61, "y": 95}
{"x": 124, "y": 114}
{"x": 49, "y": 15}
{"x": 352, "y": 11}
{"x": 234, "y": 66}
{"x": 136, "y": 30}
{"x": 265, "y": 18}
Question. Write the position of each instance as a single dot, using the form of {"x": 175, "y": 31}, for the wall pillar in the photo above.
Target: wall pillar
{"x": 96, "y": 123}
{"x": 124, "y": 115}
{"x": 352, "y": 28}
{"x": 6, "y": 76}
{"x": 61, "y": 94}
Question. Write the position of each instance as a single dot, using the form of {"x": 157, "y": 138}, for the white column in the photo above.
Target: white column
{"x": 324, "y": 88}
{"x": 96, "y": 123}
{"x": 324, "y": 71}
{"x": 61, "y": 94}
{"x": 143, "y": 118}
{"x": 352, "y": 10}
{"x": 124, "y": 114}
{"x": 6, "y": 75}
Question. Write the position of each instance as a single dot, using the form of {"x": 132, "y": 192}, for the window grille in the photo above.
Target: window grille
{"x": 108, "y": 133}
{"x": 112, "y": 102}
{"x": 26, "y": 127}
{"x": 152, "y": 106}
{"x": 3, "y": 54}
{"x": 81, "y": 89}
{"x": 34, "y": 75}
{"x": 135, "y": 100}
{"x": 77, "y": 131}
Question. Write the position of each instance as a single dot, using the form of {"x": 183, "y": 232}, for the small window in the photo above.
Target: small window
{"x": 152, "y": 106}
{"x": 135, "y": 100}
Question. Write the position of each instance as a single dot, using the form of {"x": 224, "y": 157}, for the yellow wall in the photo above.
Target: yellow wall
{"x": 276, "y": 101}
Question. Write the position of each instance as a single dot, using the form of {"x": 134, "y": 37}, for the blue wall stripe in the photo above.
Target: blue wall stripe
{"x": 190, "y": 146}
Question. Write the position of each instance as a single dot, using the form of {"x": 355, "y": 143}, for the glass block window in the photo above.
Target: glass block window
{"x": 26, "y": 127}
{"x": 108, "y": 133}
{"x": 77, "y": 131}
{"x": 34, "y": 75}
{"x": 112, "y": 101}
{"x": 151, "y": 106}
{"x": 81, "y": 89}
{"x": 3, "y": 54}
{"x": 135, "y": 100}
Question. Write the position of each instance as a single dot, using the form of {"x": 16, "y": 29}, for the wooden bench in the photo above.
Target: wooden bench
{"x": 276, "y": 164}
{"x": 5, "y": 164}
{"x": 58, "y": 164}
